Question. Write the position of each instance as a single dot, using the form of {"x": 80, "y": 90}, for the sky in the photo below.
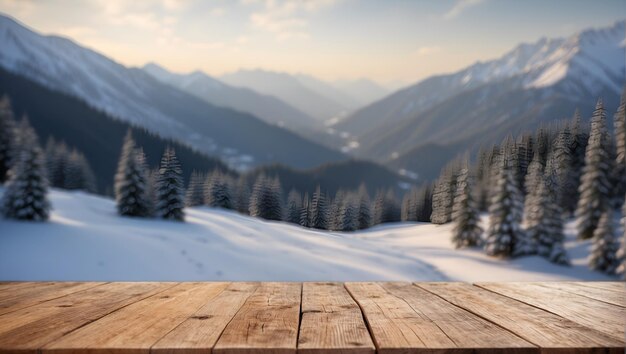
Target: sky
{"x": 393, "y": 42}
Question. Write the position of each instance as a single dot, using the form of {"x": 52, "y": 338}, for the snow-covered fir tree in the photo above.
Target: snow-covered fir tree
{"x": 466, "y": 231}
{"x": 533, "y": 181}
{"x": 266, "y": 198}
{"x": 542, "y": 145}
{"x": 594, "y": 187}
{"x": 443, "y": 196}
{"x": 130, "y": 181}
{"x": 217, "y": 191}
{"x": 619, "y": 172}
{"x": 621, "y": 254}
{"x": 605, "y": 246}
{"x": 561, "y": 160}
{"x": 26, "y": 193}
{"x": 364, "y": 215}
{"x": 386, "y": 208}
{"x": 547, "y": 233}
{"x": 57, "y": 155}
{"x": 79, "y": 175}
{"x": 580, "y": 138}
{"x": 334, "y": 219}
{"x": 505, "y": 214}
{"x": 424, "y": 206}
{"x": 242, "y": 195}
{"x": 170, "y": 199}
{"x": 348, "y": 214}
{"x": 194, "y": 196}
{"x": 409, "y": 205}
{"x": 305, "y": 211}
{"x": 319, "y": 210}
{"x": 294, "y": 207}
{"x": 8, "y": 135}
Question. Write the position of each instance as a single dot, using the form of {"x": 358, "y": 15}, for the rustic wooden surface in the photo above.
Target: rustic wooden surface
{"x": 312, "y": 318}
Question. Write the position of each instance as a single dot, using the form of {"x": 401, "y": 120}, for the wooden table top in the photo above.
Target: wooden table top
{"x": 312, "y": 318}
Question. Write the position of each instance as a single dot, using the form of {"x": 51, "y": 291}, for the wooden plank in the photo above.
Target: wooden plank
{"x": 394, "y": 325}
{"x": 468, "y": 332}
{"x": 135, "y": 328}
{"x": 617, "y": 298}
{"x": 21, "y": 295}
{"x": 266, "y": 323}
{"x": 200, "y": 331}
{"x": 552, "y": 333}
{"x": 29, "y": 329}
{"x": 607, "y": 285}
{"x": 332, "y": 322}
{"x": 599, "y": 315}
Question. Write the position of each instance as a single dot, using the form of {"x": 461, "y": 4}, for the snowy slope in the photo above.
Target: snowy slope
{"x": 85, "y": 240}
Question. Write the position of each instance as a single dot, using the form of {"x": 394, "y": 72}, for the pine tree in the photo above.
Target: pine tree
{"x": 409, "y": 205}
{"x": 594, "y": 186}
{"x": 548, "y": 231}
{"x": 195, "y": 190}
{"x": 425, "y": 203}
{"x": 562, "y": 160}
{"x": 25, "y": 197}
{"x": 294, "y": 207}
{"x": 242, "y": 192}
{"x": 266, "y": 199}
{"x": 443, "y": 196}
{"x": 319, "y": 210}
{"x": 605, "y": 245}
{"x": 8, "y": 135}
{"x": 580, "y": 138}
{"x": 621, "y": 254}
{"x": 348, "y": 215}
{"x": 57, "y": 156}
{"x": 334, "y": 218}
{"x": 217, "y": 191}
{"x": 169, "y": 188}
{"x": 386, "y": 208}
{"x": 619, "y": 175}
{"x": 466, "y": 231}
{"x": 364, "y": 215}
{"x": 78, "y": 173}
{"x": 534, "y": 179}
{"x": 505, "y": 214}
{"x": 305, "y": 211}
{"x": 130, "y": 181}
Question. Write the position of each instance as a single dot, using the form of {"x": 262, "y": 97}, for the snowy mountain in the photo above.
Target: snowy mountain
{"x": 271, "y": 109}
{"x": 134, "y": 96}
{"x": 363, "y": 91}
{"x": 533, "y": 83}
{"x": 304, "y": 93}
{"x": 86, "y": 240}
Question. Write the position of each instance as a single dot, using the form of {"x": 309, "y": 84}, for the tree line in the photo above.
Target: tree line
{"x": 531, "y": 183}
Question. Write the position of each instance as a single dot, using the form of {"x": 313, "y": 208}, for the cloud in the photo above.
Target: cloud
{"x": 459, "y": 7}
{"x": 217, "y": 12}
{"x": 425, "y": 51}
{"x": 286, "y": 19}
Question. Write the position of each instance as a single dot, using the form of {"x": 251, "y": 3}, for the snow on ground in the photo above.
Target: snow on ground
{"x": 86, "y": 240}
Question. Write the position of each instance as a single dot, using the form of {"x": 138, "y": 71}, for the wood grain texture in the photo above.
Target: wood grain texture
{"x": 332, "y": 322}
{"x": 394, "y": 325}
{"x": 612, "y": 285}
{"x": 613, "y": 297}
{"x": 551, "y": 332}
{"x": 200, "y": 331}
{"x": 468, "y": 332}
{"x": 29, "y": 329}
{"x": 135, "y": 328}
{"x": 591, "y": 313}
{"x": 266, "y": 323}
{"x": 20, "y": 295}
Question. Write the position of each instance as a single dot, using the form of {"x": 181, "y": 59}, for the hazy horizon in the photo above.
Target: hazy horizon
{"x": 392, "y": 43}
